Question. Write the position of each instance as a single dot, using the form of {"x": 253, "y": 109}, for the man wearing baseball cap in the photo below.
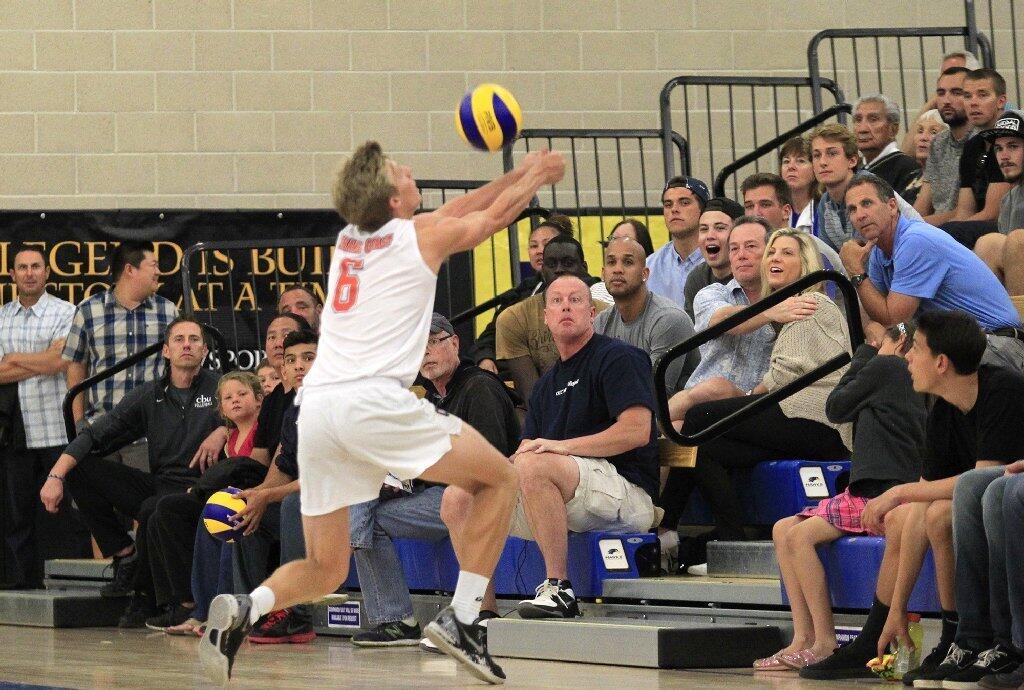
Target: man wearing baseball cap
{"x": 1003, "y": 251}
{"x": 713, "y": 228}
{"x": 682, "y": 202}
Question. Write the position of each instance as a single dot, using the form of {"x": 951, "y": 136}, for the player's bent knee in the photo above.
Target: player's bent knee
{"x": 455, "y": 506}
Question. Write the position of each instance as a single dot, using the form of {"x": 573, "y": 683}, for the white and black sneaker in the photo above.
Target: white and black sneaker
{"x": 427, "y": 646}
{"x": 957, "y": 659}
{"x": 467, "y": 644}
{"x": 555, "y": 599}
{"x": 227, "y": 626}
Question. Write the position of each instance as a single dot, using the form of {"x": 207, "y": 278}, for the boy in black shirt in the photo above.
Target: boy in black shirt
{"x": 970, "y": 426}
{"x": 588, "y": 459}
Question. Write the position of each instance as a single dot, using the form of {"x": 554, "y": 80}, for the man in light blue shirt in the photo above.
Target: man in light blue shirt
{"x": 908, "y": 266}
{"x": 682, "y": 202}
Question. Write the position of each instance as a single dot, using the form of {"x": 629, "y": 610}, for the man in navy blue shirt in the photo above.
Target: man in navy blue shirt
{"x": 588, "y": 459}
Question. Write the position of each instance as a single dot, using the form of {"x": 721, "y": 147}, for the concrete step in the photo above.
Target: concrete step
{"x": 632, "y": 642}
{"x": 746, "y": 559}
{"x": 706, "y": 591}
{"x": 66, "y": 608}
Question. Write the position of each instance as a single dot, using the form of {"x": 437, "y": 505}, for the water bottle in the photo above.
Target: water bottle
{"x": 908, "y": 659}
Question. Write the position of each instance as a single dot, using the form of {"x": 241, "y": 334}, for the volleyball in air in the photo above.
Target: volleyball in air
{"x": 220, "y": 506}
{"x": 488, "y": 117}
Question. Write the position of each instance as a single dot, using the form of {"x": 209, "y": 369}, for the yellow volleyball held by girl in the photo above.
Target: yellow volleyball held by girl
{"x": 217, "y": 512}
{"x": 488, "y": 117}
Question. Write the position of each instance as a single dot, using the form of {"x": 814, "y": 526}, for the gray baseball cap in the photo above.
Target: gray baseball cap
{"x": 439, "y": 323}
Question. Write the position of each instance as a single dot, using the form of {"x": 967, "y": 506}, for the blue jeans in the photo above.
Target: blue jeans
{"x": 212, "y": 571}
{"x": 1013, "y": 515}
{"x": 979, "y": 545}
{"x": 372, "y": 526}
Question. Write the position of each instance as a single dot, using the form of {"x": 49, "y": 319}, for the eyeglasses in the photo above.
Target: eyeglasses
{"x": 434, "y": 342}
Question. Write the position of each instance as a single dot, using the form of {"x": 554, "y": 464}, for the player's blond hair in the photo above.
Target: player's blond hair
{"x": 363, "y": 188}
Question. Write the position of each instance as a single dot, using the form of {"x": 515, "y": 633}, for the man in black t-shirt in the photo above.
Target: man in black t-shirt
{"x": 971, "y": 425}
{"x": 588, "y": 459}
{"x": 982, "y": 186}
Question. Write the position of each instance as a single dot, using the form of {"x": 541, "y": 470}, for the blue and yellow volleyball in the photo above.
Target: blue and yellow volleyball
{"x": 488, "y": 117}
{"x": 219, "y": 508}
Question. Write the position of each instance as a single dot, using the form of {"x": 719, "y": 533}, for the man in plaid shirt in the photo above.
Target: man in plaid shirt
{"x": 32, "y": 332}
{"x": 113, "y": 324}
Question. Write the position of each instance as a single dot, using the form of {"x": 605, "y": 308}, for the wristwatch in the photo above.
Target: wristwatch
{"x": 858, "y": 279}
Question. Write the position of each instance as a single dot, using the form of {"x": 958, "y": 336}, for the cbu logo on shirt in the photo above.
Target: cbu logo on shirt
{"x": 567, "y": 387}
{"x": 204, "y": 401}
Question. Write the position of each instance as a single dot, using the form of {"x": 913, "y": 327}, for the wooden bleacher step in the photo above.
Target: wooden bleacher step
{"x": 745, "y": 559}
{"x": 632, "y": 642}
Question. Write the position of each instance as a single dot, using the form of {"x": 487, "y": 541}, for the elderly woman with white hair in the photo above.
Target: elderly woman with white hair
{"x": 928, "y": 125}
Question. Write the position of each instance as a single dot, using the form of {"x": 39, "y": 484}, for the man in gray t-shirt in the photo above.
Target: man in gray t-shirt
{"x": 641, "y": 318}
{"x": 942, "y": 170}
{"x": 1002, "y": 250}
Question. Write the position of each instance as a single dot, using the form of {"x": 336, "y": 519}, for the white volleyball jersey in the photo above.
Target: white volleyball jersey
{"x": 380, "y": 299}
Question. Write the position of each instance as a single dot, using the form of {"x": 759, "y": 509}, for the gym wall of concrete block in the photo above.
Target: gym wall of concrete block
{"x": 252, "y": 103}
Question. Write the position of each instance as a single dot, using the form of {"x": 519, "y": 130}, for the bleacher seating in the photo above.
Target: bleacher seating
{"x": 777, "y": 489}
{"x": 851, "y": 567}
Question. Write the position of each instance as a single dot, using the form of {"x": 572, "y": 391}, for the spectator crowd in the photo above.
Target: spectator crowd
{"x": 929, "y": 230}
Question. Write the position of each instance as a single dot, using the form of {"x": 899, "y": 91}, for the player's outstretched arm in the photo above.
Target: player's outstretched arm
{"x": 481, "y": 198}
{"x": 439, "y": 238}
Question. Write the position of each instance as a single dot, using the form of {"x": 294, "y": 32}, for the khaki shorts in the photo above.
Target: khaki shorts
{"x": 604, "y": 502}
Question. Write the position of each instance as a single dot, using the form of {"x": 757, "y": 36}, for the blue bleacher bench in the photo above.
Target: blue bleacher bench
{"x": 593, "y": 558}
{"x": 776, "y": 489}
{"x": 851, "y": 567}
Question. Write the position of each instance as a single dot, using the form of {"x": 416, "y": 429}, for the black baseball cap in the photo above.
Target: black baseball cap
{"x": 1010, "y": 124}
{"x": 725, "y": 205}
{"x": 699, "y": 189}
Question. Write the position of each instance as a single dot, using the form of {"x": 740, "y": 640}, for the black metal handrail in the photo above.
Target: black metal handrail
{"x": 752, "y": 408}
{"x": 920, "y": 33}
{"x": 774, "y": 143}
{"x": 745, "y": 82}
{"x": 131, "y": 360}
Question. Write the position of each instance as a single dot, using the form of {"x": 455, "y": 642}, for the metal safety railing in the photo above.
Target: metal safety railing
{"x": 898, "y": 62}
{"x": 610, "y": 173}
{"x": 770, "y": 148}
{"x": 719, "y": 427}
{"x": 1003, "y": 25}
{"x": 212, "y": 334}
{"x": 724, "y": 117}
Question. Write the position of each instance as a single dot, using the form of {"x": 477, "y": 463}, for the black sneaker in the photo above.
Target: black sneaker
{"x": 928, "y": 664}
{"x": 957, "y": 659}
{"x": 467, "y": 644}
{"x": 999, "y": 659}
{"x": 1004, "y": 681}
{"x": 394, "y": 634}
{"x": 227, "y": 626}
{"x": 555, "y": 599}
{"x": 123, "y": 584}
{"x": 174, "y": 615}
{"x": 283, "y": 627}
{"x": 427, "y": 646}
{"x": 140, "y": 609}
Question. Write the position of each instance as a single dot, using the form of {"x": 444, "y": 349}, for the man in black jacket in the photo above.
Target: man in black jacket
{"x": 411, "y": 510}
{"x": 175, "y": 414}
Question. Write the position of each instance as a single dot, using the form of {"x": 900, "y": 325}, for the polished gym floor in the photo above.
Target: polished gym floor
{"x": 109, "y": 658}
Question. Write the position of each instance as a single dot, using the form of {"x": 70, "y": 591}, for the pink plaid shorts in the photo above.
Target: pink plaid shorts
{"x": 842, "y": 512}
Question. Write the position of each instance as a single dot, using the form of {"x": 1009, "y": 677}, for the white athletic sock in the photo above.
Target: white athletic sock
{"x": 469, "y": 595}
{"x": 262, "y": 603}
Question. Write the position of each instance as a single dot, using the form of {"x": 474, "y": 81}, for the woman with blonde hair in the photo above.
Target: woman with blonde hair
{"x": 929, "y": 124}
{"x": 811, "y": 331}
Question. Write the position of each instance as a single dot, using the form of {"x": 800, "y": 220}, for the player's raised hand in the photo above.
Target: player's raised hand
{"x": 532, "y": 158}
{"x": 552, "y": 165}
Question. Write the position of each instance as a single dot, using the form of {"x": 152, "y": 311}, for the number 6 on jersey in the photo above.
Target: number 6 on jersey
{"x": 346, "y": 290}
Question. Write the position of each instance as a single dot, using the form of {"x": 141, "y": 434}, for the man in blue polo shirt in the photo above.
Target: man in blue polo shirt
{"x": 588, "y": 460}
{"x": 682, "y": 202}
{"x": 907, "y": 266}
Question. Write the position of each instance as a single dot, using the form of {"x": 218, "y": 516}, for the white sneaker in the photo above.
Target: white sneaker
{"x": 698, "y": 570}
{"x": 554, "y": 600}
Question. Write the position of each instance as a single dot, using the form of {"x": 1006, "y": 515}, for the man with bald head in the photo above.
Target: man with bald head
{"x": 641, "y": 318}
{"x": 588, "y": 460}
